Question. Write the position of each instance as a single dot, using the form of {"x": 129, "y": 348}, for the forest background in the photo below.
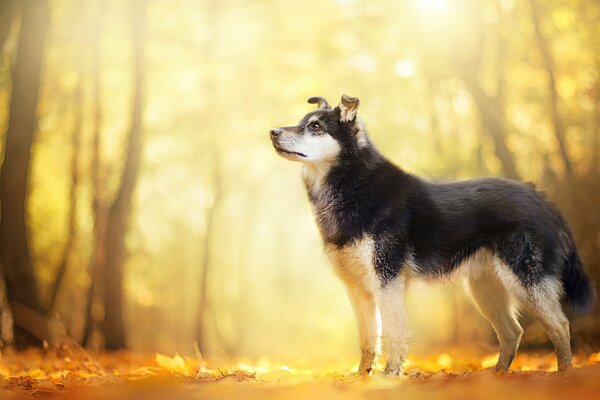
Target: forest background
{"x": 143, "y": 207}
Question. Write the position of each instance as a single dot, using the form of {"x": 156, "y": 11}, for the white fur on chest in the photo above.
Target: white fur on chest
{"x": 354, "y": 263}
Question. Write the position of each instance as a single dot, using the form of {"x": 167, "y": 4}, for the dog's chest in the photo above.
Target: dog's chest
{"x": 324, "y": 204}
{"x": 352, "y": 256}
{"x": 354, "y": 262}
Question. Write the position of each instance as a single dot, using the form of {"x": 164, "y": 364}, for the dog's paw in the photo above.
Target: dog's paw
{"x": 393, "y": 369}
{"x": 564, "y": 367}
{"x": 367, "y": 359}
{"x": 358, "y": 376}
{"x": 363, "y": 371}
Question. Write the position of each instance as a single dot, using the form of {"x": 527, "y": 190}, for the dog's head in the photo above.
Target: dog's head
{"x": 322, "y": 135}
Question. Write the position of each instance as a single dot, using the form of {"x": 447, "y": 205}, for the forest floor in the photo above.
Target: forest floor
{"x": 65, "y": 373}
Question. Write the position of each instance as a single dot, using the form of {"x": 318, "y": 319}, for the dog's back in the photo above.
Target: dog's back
{"x": 513, "y": 220}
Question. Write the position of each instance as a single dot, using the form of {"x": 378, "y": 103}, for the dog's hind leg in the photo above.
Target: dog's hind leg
{"x": 496, "y": 304}
{"x": 544, "y": 304}
{"x": 365, "y": 311}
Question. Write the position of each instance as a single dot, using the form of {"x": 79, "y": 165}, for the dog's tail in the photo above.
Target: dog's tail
{"x": 580, "y": 291}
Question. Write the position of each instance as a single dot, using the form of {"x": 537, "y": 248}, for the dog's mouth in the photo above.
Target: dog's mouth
{"x": 280, "y": 150}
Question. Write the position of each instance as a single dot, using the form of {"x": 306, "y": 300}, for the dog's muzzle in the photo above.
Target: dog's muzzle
{"x": 275, "y": 134}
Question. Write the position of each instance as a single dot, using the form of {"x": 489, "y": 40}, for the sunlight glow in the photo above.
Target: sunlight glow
{"x": 444, "y": 360}
{"x": 405, "y": 68}
{"x": 490, "y": 361}
{"x": 433, "y": 5}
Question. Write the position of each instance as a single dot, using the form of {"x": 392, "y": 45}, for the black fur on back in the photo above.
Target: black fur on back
{"x": 436, "y": 226}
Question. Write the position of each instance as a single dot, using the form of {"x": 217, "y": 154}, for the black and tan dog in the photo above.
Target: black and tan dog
{"x": 383, "y": 227}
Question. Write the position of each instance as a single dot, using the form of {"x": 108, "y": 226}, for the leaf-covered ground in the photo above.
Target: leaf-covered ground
{"x": 71, "y": 373}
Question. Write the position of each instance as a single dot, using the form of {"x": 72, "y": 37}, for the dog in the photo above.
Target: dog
{"x": 383, "y": 227}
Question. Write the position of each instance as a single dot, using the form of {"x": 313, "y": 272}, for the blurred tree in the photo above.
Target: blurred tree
{"x": 8, "y": 10}
{"x": 491, "y": 106}
{"x": 94, "y": 311}
{"x": 432, "y": 83}
{"x": 216, "y": 177}
{"x": 594, "y": 166}
{"x": 113, "y": 327}
{"x": 207, "y": 258}
{"x": 15, "y": 256}
{"x": 72, "y": 202}
{"x": 548, "y": 62}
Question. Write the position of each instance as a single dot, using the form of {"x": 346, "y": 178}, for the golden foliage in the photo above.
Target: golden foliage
{"x": 75, "y": 374}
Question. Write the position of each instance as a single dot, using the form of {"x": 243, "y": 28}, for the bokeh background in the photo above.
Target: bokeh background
{"x": 143, "y": 205}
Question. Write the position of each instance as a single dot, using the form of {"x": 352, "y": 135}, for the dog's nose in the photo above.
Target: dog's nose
{"x": 276, "y": 132}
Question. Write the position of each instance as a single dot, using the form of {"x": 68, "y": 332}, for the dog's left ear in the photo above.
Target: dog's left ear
{"x": 322, "y": 103}
{"x": 348, "y": 107}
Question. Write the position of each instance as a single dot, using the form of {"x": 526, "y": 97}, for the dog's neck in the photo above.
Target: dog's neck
{"x": 314, "y": 174}
{"x": 323, "y": 182}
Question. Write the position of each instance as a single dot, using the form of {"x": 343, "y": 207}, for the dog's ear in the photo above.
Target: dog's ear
{"x": 320, "y": 101}
{"x": 348, "y": 107}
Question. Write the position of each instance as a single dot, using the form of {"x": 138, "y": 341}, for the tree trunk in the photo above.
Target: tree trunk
{"x": 490, "y": 106}
{"x": 595, "y": 131}
{"x": 73, "y": 188}
{"x": 548, "y": 62}
{"x": 207, "y": 255}
{"x": 8, "y": 10}
{"x": 490, "y": 110}
{"x": 434, "y": 124}
{"x": 119, "y": 213}
{"x": 211, "y": 14}
{"x": 247, "y": 224}
{"x": 6, "y": 316}
{"x": 14, "y": 175}
{"x": 94, "y": 313}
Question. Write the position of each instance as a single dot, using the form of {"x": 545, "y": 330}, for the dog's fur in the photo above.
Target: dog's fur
{"x": 382, "y": 227}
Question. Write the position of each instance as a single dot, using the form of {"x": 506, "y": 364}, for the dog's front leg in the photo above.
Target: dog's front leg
{"x": 390, "y": 299}
{"x": 365, "y": 310}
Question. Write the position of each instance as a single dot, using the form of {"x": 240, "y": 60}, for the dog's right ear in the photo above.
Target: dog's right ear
{"x": 323, "y": 104}
{"x": 348, "y": 107}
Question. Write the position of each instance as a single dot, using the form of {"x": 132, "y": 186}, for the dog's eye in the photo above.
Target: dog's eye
{"x": 315, "y": 126}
